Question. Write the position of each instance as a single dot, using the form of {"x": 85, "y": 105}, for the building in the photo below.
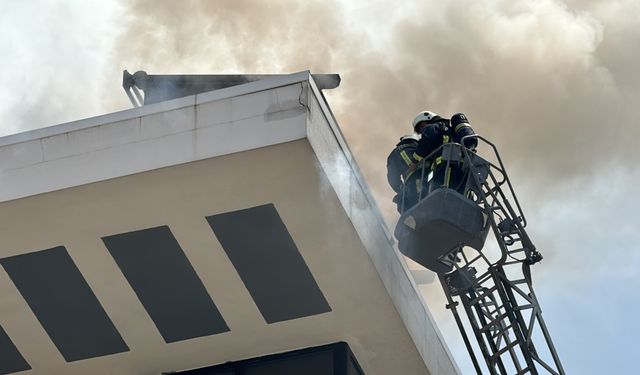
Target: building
{"x": 227, "y": 226}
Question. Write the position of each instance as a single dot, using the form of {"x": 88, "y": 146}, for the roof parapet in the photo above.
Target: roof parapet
{"x": 160, "y": 87}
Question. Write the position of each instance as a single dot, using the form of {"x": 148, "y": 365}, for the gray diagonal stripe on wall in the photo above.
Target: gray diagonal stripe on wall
{"x": 10, "y": 358}
{"x": 261, "y": 249}
{"x": 63, "y": 302}
{"x": 168, "y": 287}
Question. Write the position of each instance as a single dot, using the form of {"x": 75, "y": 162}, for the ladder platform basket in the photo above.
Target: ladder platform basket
{"x": 430, "y": 232}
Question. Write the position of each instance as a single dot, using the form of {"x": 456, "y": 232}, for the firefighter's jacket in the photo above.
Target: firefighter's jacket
{"x": 401, "y": 163}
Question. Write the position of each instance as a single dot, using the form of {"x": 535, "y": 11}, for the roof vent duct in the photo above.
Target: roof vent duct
{"x": 160, "y": 87}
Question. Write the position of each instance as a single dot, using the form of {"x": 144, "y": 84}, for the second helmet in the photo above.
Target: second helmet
{"x": 427, "y": 116}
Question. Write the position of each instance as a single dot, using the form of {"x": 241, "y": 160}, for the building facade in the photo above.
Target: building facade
{"x": 225, "y": 231}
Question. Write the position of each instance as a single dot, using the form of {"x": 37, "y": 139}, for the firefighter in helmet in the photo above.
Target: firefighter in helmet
{"x": 435, "y": 131}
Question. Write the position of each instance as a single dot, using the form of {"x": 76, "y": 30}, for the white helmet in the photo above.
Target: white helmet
{"x": 424, "y": 116}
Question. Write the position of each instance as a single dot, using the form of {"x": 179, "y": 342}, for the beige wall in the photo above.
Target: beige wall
{"x": 286, "y": 175}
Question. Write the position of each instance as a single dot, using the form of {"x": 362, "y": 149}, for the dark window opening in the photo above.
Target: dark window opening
{"x": 332, "y": 359}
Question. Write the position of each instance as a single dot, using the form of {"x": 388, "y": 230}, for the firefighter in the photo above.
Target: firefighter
{"x": 435, "y": 131}
{"x": 401, "y": 163}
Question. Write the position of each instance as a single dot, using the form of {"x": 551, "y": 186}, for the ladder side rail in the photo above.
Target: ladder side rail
{"x": 525, "y": 294}
{"x": 481, "y": 303}
{"x": 492, "y": 221}
{"x": 532, "y": 324}
{"x": 502, "y": 169}
{"x": 536, "y": 316}
{"x": 524, "y": 237}
{"x": 479, "y": 339}
{"x": 500, "y": 203}
{"x": 517, "y": 233}
{"x": 497, "y": 198}
{"x": 477, "y": 327}
{"x": 475, "y": 320}
{"x": 515, "y": 316}
{"x": 543, "y": 327}
{"x": 546, "y": 366}
{"x": 451, "y": 305}
{"x": 511, "y": 298}
{"x": 493, "y": 338}
{"x": 499, "y": 325}
{"x": 467, "y": 301}
{"x": 495, "y": 329}
{"x": 496, "y": 203}
{"x": 502, "y": 332}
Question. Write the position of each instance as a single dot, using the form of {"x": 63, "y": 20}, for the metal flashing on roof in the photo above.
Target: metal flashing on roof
{"x": 161, "y": 87}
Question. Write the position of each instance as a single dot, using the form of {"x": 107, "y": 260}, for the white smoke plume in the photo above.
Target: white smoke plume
{"x": 553, "y": 83}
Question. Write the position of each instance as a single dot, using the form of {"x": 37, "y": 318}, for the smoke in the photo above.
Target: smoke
{"x": 550, "y": 83}
{"x": 529, "y": 74}
{"x": 54, "y": 61}
{"x": 553, "y": 83}
{"x": 230, "y": 36}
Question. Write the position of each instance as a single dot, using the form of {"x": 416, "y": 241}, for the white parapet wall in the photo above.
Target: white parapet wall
{"x": 158, "y": 135}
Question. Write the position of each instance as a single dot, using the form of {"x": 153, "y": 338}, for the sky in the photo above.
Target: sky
{"x": 554, "y": 84}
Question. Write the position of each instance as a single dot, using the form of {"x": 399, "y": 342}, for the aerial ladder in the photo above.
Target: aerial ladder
{"x": 446, "y": 232}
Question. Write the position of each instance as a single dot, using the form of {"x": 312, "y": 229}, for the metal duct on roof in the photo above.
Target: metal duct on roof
{"x": 161, "y": 87}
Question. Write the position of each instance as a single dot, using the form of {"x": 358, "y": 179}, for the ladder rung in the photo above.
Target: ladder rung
{"x": 515, "y": 251}
{"x": 502, "y": 331}
{"x": 523, "y": 307}
{"x": 486, "y": 303}
{"x": 482, "y": 278}
{"x": 483, "y": 295}
{"x": 493, "y": 322}
{"x": 497, "y": 310}
{"x": 516, "y": 239}
{"x": 503, "y": 350}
